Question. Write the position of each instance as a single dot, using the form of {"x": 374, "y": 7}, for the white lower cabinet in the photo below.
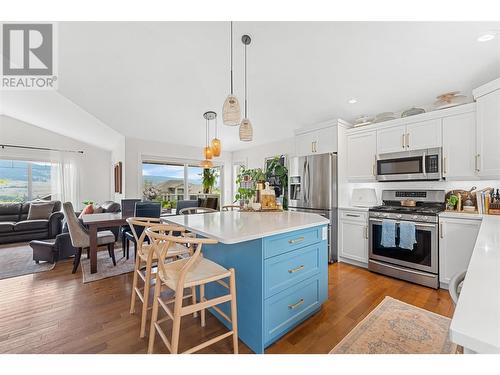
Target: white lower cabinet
{"x": 457, "y": 238}
{"x": 353, "y": 236}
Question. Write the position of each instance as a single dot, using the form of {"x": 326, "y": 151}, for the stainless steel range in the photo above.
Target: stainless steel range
{"x": 419, "y": 264}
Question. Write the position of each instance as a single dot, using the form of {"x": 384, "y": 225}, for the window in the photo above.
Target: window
{"x": 169, "y": 182}
{"x": 22, "y": 181}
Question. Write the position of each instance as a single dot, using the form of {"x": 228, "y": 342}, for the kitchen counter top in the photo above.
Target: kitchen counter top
{"x": 476, "y": 322}
{"x": 461, "y": 215}
{"x": 234, "y": 227}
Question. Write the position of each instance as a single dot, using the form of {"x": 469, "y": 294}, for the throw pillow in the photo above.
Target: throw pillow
{"x": 98, "y": 210}
{"x": 89, "y": 209}
{"x": 39, "y": 210}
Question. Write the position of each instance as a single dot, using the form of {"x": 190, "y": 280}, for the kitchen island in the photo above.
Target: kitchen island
{"x": 281, "y": 264}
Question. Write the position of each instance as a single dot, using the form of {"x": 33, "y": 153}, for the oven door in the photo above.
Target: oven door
{"x": 410, "y": 166}
{"x": 423, "y": 256}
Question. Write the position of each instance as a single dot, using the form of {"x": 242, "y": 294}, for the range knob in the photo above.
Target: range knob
{"x": 399, "y": 216}
{"x": 414, "y": 217}
{"x": 425, "y": 218}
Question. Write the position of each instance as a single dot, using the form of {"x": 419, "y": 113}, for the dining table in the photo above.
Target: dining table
{"x": 97, "y": 221}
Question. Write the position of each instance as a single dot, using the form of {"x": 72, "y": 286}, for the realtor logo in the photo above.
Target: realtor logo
{"x": 28, "y": 56}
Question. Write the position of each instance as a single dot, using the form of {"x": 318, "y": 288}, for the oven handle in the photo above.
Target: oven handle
{"x": 423, "y": 164}
{"x": 399, "y": 268}
{"x": 416, "y": 224}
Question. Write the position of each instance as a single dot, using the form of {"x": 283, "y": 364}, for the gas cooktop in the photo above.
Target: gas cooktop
{"x": 418, "y": 210}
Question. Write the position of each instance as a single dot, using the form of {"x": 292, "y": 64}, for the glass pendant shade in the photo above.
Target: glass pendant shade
{"x": 246, "y": 130}
{"x": 207, "y": 152}
{"x": 231, "y": 112}
{"x": 206, "y": 164}
{"x": 216, "y": 147}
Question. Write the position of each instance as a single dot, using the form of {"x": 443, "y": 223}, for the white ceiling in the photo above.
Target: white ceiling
{"x": 155, "y": 80}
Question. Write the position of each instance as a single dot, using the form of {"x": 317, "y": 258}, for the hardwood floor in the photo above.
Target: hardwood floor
{"x": 54, "y": 312}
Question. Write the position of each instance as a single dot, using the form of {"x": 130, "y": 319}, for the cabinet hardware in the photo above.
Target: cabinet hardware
{"x": 296, "y": 269}
{"x": 296, "y": 240}
{"x": 441, "y": 231}
{"x": 445, "y": 167}
{"x": 351, "y": 215}
{"x": 296, "y": 304}
{"x": 366, "y": 232}
{"x": 477, "y": 162}
{"x": 403, "y": 141}
{"x": 374, "y": 166}
{"x": 408, "y": 140}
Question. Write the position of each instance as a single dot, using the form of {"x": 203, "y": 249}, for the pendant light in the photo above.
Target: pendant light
{"x": 207, "y": 150}
{"x": 231, "y": 113}
{"x": 246, "y": 130}
{"x": 215, "y": 144}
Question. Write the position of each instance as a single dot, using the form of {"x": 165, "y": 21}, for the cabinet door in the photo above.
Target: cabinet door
{"x": 326, "y": 140}
{"x": 361, "y": 156}
{"x": 304, "y": 144}
{"x": 459, "y": 146}
{"x": 457, "y": 238}
{"x": 424, "y": 134}
{"x": 391, "y": 139}
{"x": 488, "y": 135}
{"x": 353, "y": 240}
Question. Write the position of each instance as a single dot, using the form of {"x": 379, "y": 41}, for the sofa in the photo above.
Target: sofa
{"x": 15, "y": 226}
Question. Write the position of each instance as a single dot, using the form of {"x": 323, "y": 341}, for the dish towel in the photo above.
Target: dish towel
{"x": 388, "y": 233}
{"x": 407, "y": 235}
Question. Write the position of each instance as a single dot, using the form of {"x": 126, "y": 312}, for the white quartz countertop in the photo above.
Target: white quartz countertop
{"x": 233, "y": 226}
{"x": 461, "y": 215}
{"x": 476, "y": 322}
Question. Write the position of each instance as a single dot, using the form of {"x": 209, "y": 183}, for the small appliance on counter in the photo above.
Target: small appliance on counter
{"x": 363, "y": 197}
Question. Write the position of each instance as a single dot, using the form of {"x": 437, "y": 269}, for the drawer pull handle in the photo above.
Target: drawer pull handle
{"x": 297, "y": 269}
{"x": 296, "y": 304}
{"x": 351, "y": 215}
{"x": 296, "y": 240}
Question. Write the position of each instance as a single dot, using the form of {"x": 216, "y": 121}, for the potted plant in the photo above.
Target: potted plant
{"x": 275, "y": 170}
{"x": 209, "y": 176}
{"x": 246, "y": 180}
{"x": 451, "y": 202}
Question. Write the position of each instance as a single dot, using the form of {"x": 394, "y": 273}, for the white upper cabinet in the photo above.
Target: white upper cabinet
{"x": 304, "y": 144}
{"x": 321, "y": 140}
{"x": 391, "y": 139}
{"x": 423, "y": 134}
{"x": 488, "y": 135}
{"x": 361, "y": 156}
{"x": 326, "y": 140}
{"x": 459, "y": 146}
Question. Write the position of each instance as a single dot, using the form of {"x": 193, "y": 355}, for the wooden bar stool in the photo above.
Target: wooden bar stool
{"x": 189, "y": 273}
{"x": 145, "y": 257}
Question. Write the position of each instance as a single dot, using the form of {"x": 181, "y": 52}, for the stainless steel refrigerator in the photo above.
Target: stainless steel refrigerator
{"x": 313, "y": 188}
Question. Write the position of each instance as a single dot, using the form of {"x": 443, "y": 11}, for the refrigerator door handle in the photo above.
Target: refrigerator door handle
{"x": 304, "y": 190}
{"x": 308, "y": 183}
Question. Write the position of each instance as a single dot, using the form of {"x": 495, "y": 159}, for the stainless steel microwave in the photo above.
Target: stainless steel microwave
{"x": 418, "y": 165}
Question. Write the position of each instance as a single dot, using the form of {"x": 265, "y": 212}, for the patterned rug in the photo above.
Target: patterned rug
{"x": 105, "y": 266}
{"x": 17, "y": 260}
{"x": 395, "y": 327}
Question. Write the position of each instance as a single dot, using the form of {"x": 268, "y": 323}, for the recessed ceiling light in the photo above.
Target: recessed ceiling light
{"x": 352, "y": 101}
{"x": 486, "y": 37}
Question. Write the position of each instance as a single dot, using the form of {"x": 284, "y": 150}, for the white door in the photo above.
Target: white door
{"x": 391, "y": 139}
{"x": 459, "y": 146}
{"x": 326, "y": 140}
{"x": 488, "y": 135}
{"x": 361, "y": 156}
{"x": 353, "y": 237}
{"x": 304, "y": 144}
{"x": 457, "y": 238}
{"x": 423, "y": 134}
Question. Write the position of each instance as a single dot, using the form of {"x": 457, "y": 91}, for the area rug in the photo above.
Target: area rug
{"x": 395, "y": 327}
{"x": 105, "y": 266}
{"x": 17, "y": 260}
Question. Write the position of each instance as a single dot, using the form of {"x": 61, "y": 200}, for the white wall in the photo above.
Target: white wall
{"x": 94, "y": 172}
{"x": 254, "y": 157}
{"x": 137, "y": 150}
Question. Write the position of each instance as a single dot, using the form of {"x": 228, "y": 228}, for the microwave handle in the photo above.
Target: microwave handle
{"x": 423, "y": 164}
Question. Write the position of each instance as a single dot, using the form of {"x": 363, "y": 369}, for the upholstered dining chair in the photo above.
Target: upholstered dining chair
{"x": 146, "y": 258}
{"x": 192, "y": 272}
{"x": 144, "y": 209}
{"x": 196, "y": 210}
{"x": 128, "y": 210}
{"x": 80, "y": 238}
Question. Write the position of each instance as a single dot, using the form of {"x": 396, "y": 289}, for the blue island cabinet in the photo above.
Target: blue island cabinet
{"x": 281, "y": 280}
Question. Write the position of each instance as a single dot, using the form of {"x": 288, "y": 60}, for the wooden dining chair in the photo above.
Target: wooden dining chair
{"x": 144, "y": 260}
{"x": 231, "y": 207}
{"x": 196, "y": 210}
{"x": 188, "y": 273}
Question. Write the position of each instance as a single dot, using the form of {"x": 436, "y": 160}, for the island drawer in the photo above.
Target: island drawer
{"x": 285, "y": 309}
{"x": 282, "y": 271}
{"x": 286, "y": 242}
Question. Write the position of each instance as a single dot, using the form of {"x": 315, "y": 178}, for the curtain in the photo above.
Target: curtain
{"x": 64, "y": 178}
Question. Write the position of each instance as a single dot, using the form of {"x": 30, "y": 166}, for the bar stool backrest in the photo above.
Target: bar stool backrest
{"x": 137, "y": 226}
